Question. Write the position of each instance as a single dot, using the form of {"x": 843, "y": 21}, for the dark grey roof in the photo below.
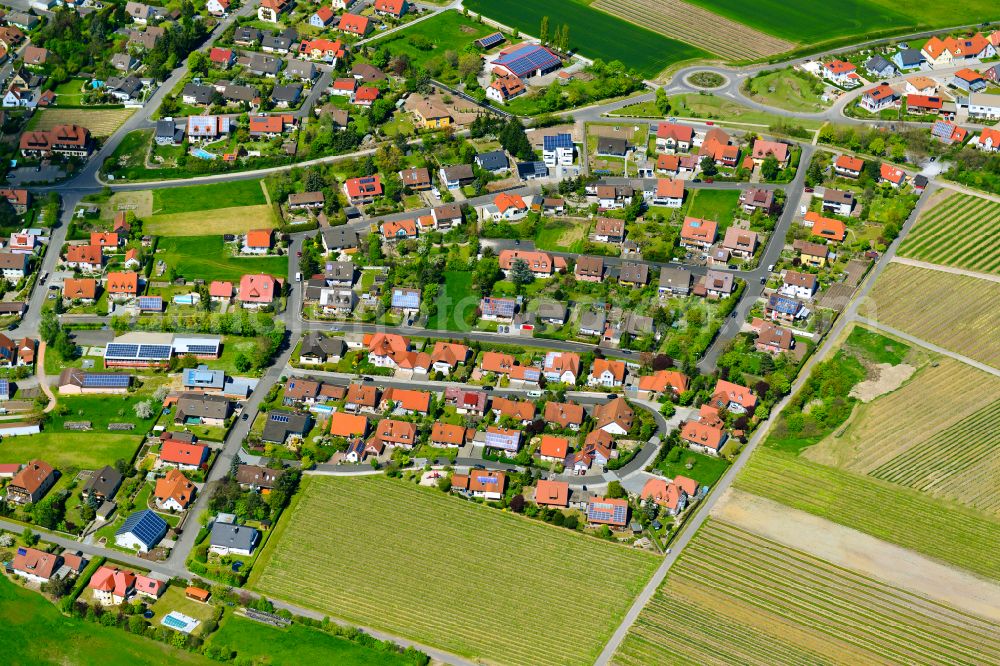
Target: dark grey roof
{"x": 300, "y": 68}
{"x": 878, "y": 64}
{"x": 166, "y": 129}
{"x": 201, "y": 94}
{"x": 276, "y": 42}
{"x": 264, "y": 63}
{"x": 527, "y": 170}
{"x": 238, "y": 537}
{"x": 238, "y": 93}
{"x": 339, "y": 238}
{"x": 289, "y": 94}
{"x": 247, "y": 34}
{"x": 315, "y": 343}
{"x": 910, "y": 57}
{"x": 593, "y": 321}
{"x": 203, "y": 406}
{"x": 495, "y": 160}
{"x": 282, "y": 423}
{"x": 339, "y": 271}
{"x": 611, "y": 146}
{"x": 103, "y": 482}
{"x": 549, "y": 309}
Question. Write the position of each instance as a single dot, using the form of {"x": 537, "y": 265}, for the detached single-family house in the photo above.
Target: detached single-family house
{"x": 880, "y": 68}
{"x": 848, "y": 166}
{"x": 878, "y": 98}
{"x": 141, "y": 531}
{"x": 606, "y": 373}
{"x": 839, "y": 202}
{"x": 228, "y": 539}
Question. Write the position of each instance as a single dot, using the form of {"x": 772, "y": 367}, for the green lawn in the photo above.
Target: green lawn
{"x": 296, "y": 644}
{"x": 447, "y": 31}
{"x": 206, "y": 257}
{"x": 70, "y": 93}
{"x": 207, "y": 197}
{"x": 706, "y": 470}
{"x": 561, "y": 235}
{"x": 35, "y": 632}
{"x": 592, "y": 32}
{"x": 433, "y": 549}
{"x": 453, "y": 299}
{"x": 709, "y": 106}
{"x": 718, "y": 205}
{"x": 174, "y": 599}
{"x": 101, "y": 410}
{"x": 788, "y": 89}
{"x": 84, "y": 450}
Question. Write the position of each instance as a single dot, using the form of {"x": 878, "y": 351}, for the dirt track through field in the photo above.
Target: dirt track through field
{"x": 698, "y": 26}
{"x": 845, "y": 547}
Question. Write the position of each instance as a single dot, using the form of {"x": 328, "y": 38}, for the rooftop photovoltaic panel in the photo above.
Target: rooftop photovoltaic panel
{"x": 557, "y": 141}
{"x": 150, "y": 303}
{"x": 491, "y": 40}
{"x": 106, "y": 381}
{"x": 154, "y": 351}
{"x": 202, "y": 349}
{"x": 279, "y": 418}
{"x": 121, "y": 350}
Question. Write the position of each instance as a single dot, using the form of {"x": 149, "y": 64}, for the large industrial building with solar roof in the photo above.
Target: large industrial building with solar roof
{"x": 144, "y": 350}
{"x": 525, "y": 61}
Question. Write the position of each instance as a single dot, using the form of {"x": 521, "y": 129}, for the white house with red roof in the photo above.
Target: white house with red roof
{"x": 394, "y": 8}
{"x": 363, "y": 190}
{"x": 674, "y": 137}
{"x": 112, "y": 586}
{"x": 183, "y": 455}
{"x": 842, "y": 73}
{"x": 878, "y": 98}
{"x": 257, "y": 291}
{"x": 733, "y": 397}
{"x": 217, "y": 7}
{"x": 892, "y": 175}
{"x": 988, "y": 140}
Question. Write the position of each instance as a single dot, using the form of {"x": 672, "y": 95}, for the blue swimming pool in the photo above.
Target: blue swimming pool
{"x": 203, "y": 154}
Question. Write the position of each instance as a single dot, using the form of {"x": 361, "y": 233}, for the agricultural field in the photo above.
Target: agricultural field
{"x": 591, "y": 31}
{"x": 233, "y": 194}
{"x": 737, "y": 597}
{"x": 718, "y": 205}
{"x": 940, "y": 529}
{"x": 442, "y": 573}
{"x": 788, "y": 89}
{"x": 957, "y": 312}
{"x": 689, "y": 23}
{"x": 101, "y": 122}
{"x": 960, "y": 463}
{"x": 813, "y": 23}
{"x": 960, "y": 231}
{"x": 208, "y": 258}
{"x": 25, "y": 613}
{"x": 928, "y": 402}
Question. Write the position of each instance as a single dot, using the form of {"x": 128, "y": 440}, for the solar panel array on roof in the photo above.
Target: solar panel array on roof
{"x": 490, "y": 41}
{"x": 120, "y": 350}
{"x": 106, "y": 380}
{"x": 130, "y": 351}
{"x": 202, "y": 349}
{"x": 498, "y": 440}
{"x": 486, "y": 479}
{"x": 150, "y": 303}
{"x": 279, "y": 418}
{"x": 145, "y": 526}
{"x": 154, "y": 351}
{"x": 528, "y": 59}
{"x": 606, "y": 512}
{"x": 557, "y": 141}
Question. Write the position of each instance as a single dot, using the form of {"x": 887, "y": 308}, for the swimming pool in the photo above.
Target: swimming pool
{"x": 203, "y": 154}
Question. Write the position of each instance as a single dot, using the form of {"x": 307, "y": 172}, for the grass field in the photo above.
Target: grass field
{"x": 235, "y": 220}
{"x": 447, "y": 31}
{"x": 295, "y": 645}
{"x": 720, "y": 109}
{"x": 718, "y": 205}
{"x": 706, "y": 470}
{"x": 957, "y": 312}
{"x": 35, "y": 632}
{"x": 468, "y": 579}
{"x": 695, "y": 25}
{"x": 84, "y": 450}
{"x": 960, "y": 231}
{"x": 735, "y": 597}
{"x": 233, "y": 194}
{"x": 939, "y": 529}
{"x": 561, "y": 235}
{"x": 592, "y": 32}
{"x": 101, "y": 122}
{"x": 207, "y": 258}
{"x": 788, "y": 89}
{"x": 457, "y": 288}
{"x": 960, "y": 463}
{"x": 101, "y": 410}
